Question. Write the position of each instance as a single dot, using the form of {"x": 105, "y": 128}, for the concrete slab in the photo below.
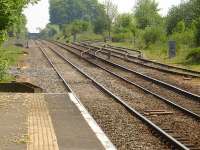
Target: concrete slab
{"x": 47, "y": 122}
{"x": 72, "y": 131}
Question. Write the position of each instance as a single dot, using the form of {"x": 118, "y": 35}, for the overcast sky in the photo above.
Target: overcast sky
{"x": 38, "y": 15}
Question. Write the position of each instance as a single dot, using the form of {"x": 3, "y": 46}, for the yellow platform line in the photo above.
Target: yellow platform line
{"x": 40, "y": 128}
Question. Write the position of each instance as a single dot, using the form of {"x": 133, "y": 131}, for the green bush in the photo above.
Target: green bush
{"x": 3, "y": 68}
{"x": 121, "y": 37}
{"x": 152, "y": 34}
{"x": 194, "y": 56}
{"x": 3, "y": 36}
{"x": 184, "y": 38}
{"x": 89, "y": 36}
{"x": 197, "y": 32}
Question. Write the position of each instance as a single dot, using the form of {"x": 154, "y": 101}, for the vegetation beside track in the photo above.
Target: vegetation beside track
{"x": 9, "y": 55}
{"x": 186, "y": 57}
{"x": 144, "y": 28}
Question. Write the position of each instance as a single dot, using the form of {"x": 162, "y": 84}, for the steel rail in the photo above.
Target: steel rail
{"x": 162, "y": 133}
{"x": 185, "y": 110}
{"x": 162, "y": 83}
{"x": 131, "y": 58}
{"x": 123, "y": 48}
{"x": 117, "y": 49}
{"x": 158, "y": 63}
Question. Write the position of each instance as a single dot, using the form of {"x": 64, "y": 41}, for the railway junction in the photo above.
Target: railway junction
{"x": 92, "y": 96}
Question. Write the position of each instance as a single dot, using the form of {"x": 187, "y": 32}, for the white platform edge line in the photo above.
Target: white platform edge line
{"x": 105, "y": 141}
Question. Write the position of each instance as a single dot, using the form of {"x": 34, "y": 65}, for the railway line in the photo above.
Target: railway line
{"x": 120, "y": 125}
{"x": 185, "y": 103}
{"x": 181, "y": 80}
{"x": 166, "y": 80}
{"x": 125, "y": 53}
{"x": 151, "y": 105}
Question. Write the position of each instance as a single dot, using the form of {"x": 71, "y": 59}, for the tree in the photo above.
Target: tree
{"x": 10, "y": 13}
{"x": 146, "y": 13}
{"x": 187, "y": 11}
{"x": 180, "y": 27}
{"x": 125, "y": 23}
{"x": 111, "y": 12}
{"x": 67, "y": 11}
{"x": 100, "y": 23}
{"x": 78, "y": 27}
{"x": 51, "y": 30}
{"x": 197, "y": 32}
{"x": 152, "y": 34}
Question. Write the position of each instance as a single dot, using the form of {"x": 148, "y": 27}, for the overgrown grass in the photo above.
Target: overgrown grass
{"x": 89, "y": 36}
{"x": 9, "y": 55}
{"x": 158, "y": 52}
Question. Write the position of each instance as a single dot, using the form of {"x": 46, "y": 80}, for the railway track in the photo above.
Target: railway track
{"x": 117, "y": 50}
{"x": 151, "y": 111}
{"x": 79, "y": 81}
{"x": 189, "y": 91}
{"x": 183, "y": 102}
{"x": 123, "y": 53}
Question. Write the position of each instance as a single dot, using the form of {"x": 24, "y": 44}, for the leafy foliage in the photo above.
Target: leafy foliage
{"x": 194, "y": 55}
{"x": 112, "y": 13}
{"x": 67, "y": 11}
{"x": 197, "y": 32}
{"x": 3, "y": 68}
{"x": 152, "y": 34}
{"x": 11, "y": 16}
{"x": 146, "y": 13}
{"x": 187, "y": 12}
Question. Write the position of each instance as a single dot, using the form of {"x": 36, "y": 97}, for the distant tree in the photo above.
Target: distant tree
{"x": 78, "y": 27}
{"x": 197, "y": 31}
{"x": 180, "y": 27}
{"x": 51, "y": 30}
{"x": 112, "y": 13}
{"x": 187, "y": 11}
{"x": 125, "y": 23}
{"x": 146, "y": 13}
{"x": 101, "y": 22}
{"x": 152, "y": 34}
{"x": 67, "y": 11}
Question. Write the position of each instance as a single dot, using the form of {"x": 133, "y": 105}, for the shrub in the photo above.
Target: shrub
{"x": 185, "y": 38}
{"x": 89, "y": 36}
{"x": 121, "y": 37}
{"x": 180, "y": 27}
{"x": 197, "y": 32}
{"x": 3, "y": 68}
{"x": 194, "y": 55}
{"x": 152, "y": 34}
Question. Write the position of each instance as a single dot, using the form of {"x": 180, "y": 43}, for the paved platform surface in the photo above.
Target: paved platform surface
{"x": 73, "y": 133}
{"x": 43, "y": 122}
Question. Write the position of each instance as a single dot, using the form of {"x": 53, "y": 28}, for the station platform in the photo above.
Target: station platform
{"x": 48, "y": 122}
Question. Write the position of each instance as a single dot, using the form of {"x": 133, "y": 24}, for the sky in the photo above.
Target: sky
{"x": 38, "y": 14}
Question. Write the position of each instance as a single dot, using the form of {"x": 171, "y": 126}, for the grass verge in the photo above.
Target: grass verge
{"x": 158, "y": 52}
{"x": 9, "y": 55}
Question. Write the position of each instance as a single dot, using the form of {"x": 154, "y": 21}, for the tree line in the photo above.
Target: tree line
{"x": 68, "y": 17}
{"x": 12, "y": 21}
